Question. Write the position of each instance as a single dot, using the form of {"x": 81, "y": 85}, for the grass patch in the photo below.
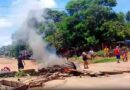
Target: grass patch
{"x": 105, "y": 60}
{"x": 20, "y": 74}
{"x": 98, "y": 60}
{"x": 76, "y": 58}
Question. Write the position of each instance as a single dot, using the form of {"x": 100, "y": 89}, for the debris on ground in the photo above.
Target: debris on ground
{"x": 54, "y": 72}
{"x": 12, "y": 85}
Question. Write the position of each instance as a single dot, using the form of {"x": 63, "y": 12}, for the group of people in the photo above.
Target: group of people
{"x": 117, "y": 52}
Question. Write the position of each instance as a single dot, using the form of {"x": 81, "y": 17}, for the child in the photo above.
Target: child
{"x": 125, "y": 56}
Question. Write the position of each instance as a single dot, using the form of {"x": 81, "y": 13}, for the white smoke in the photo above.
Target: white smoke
{"x": 27, "y": 9}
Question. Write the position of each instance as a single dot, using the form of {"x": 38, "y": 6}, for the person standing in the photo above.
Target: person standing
{"x": 117, "y": 53}
{"x": 21, "y": 62}
{"x": 106, "y": 51}
{"x": 85, "y": 59}
{"x": 125, "y": 56}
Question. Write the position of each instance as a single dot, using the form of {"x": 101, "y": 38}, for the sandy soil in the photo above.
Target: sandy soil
{"x": 12, "y": 64}
{"x": 112, "y": 82}
{"x": 121, "y": 81}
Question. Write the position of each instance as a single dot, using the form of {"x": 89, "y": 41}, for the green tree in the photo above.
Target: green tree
{"x": 84, "y": 23}
{"x": 128, "y": 16}
{"x": 88, "y": 22}
{"x": 114, "y": 30}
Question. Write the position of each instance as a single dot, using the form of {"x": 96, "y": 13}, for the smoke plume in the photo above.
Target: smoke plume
{"x": 35, "y": 9}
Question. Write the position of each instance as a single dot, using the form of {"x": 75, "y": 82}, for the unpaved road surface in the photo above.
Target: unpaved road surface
{"x": 114, "y": 82}
{"x": 111, "y": 82}
{"x": 12, "y": 64}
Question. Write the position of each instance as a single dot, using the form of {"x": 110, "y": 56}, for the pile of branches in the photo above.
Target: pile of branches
{"x": 66, "y": 68}
{"x": 54, "y": 72}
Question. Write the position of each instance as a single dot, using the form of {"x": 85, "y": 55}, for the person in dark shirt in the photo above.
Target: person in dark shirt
{"x": 21, "y": 62}
{"x": 85, "y": 59}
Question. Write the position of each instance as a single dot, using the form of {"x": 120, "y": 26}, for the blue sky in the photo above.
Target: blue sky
{"x": 9, "y": 21}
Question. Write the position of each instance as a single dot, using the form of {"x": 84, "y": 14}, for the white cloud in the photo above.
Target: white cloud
{"x": 47, "y": 3}
{"x": 5, "y": 23}
{"x": 18, "y": 13}
{"x": 20, "y": 9}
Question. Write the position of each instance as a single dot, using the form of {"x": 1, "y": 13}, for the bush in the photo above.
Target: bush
{"x": 100, "y": 53}
{"x": 20, "y": 74}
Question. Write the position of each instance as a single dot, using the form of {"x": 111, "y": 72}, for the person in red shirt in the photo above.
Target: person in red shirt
{"x": 117, "y": 53}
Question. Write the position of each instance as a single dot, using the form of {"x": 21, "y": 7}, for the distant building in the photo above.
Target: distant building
{"x": 124, "y": 43}
{"x": 127, "y": 42}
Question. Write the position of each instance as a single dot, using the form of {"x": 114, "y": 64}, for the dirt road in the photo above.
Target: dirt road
{"x": 114, "y": 82}
{"x": 12, "y": 64}
{"x": 121, "y": 81}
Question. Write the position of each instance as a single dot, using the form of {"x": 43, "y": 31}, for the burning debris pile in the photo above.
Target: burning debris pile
{"x": 64, "y": 68}
{"x": 43, "y": 75}
{"x": 54, "y": 72}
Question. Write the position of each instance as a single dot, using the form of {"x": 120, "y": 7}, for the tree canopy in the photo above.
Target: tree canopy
{"x": 128, "y": 16}
{"x": 89, "y": 23}
{"x": 84, "y": 23}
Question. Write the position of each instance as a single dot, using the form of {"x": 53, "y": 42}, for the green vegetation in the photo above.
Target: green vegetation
{"x": 100, "y": 53}
{"x": 86, "y": 23}
{"x": 98, "y": 59}
{"x": 104, "y": 60}
{"x": 23, "y": 73}
{"x": 20, "y": 74}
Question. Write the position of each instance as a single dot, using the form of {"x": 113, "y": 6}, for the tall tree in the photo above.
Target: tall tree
{"x": 87, "y": 21}
{"x": 84, "y": 23}
{"x": 128, "y": 16}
